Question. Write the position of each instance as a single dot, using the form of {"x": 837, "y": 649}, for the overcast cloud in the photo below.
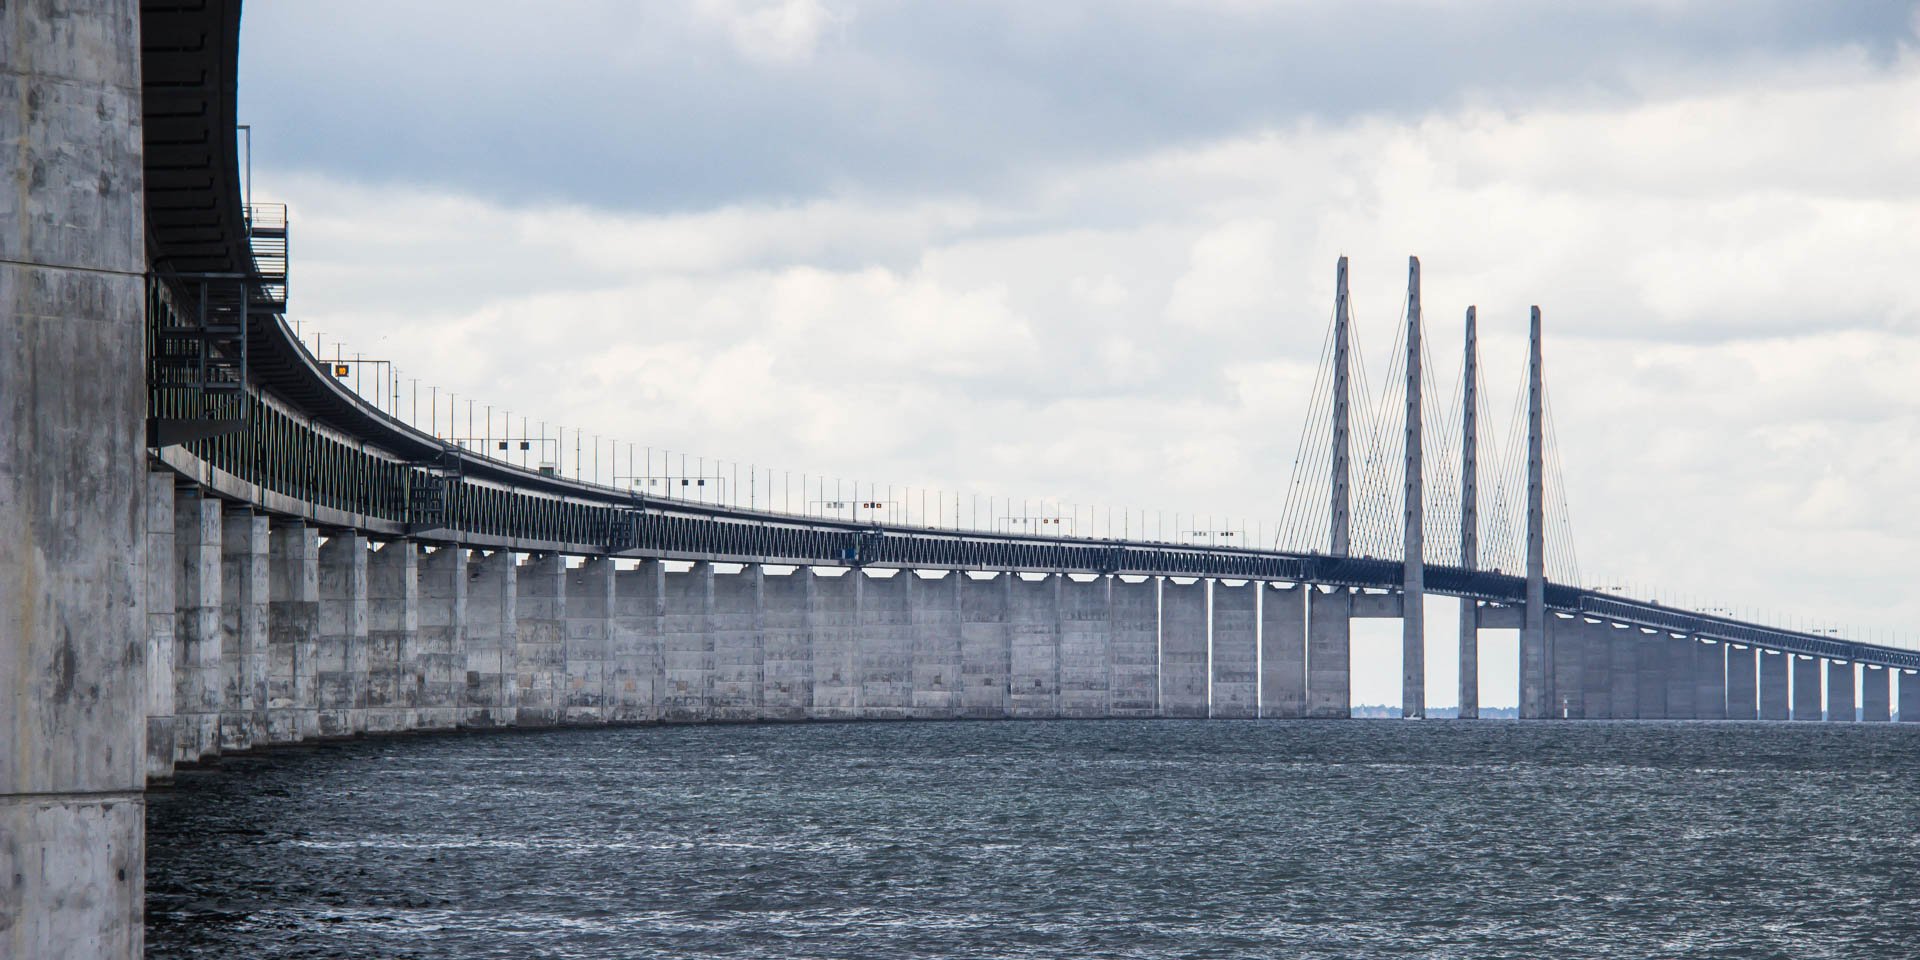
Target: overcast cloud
{"x": 1085, "y": 251}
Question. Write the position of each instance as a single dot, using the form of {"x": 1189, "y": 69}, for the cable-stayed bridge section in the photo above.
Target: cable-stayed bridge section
{"x": 208, "y": 544}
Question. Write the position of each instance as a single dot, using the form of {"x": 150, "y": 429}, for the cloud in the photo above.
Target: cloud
{"x": 769, "y": 31}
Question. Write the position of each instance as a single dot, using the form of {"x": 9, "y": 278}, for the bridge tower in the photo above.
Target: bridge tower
{"x": 1413, "y": 621}
{"x": 1536, "y": 648}
{"x": 1470, "y": 520}
{"x": 1329, "y": 615}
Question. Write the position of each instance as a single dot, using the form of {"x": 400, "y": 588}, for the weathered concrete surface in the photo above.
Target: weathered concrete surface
{"x": 74, "y": 635}
{"x": 1876, "y": 703}
{"x": 1283, "y": 651}
{"x": 835, "y": 623}
{"x": 340, "y": 652}
{"x": 1086, "y": 635}
{"x": 1133, "y": 644}
{"x": 1840, "y": 692}
{"x": 590, "y": 594}
{"x": 1909, "y": 696}
{"x": 634, "y": 643}
{"x": 1536, "y": 670}
{"x": 443, "y": 637}
{"x": 1623, "y": 673}
{"x": 1566, "y": 646}
{"x": 157, "y": 583}
{"x": 1806, "y": 688}
{"x": 293, "y": 628}
{"x": 886, "y": 647}
{"x": 686, "y": 645}
{"x": 243, "y": 629}
{"x": 1329, "y": 654}
{"x": 1183, "y": 648}
{"x": 393, "y": 637}
{"x": 935, "y": 608}
{"x": 1683, "y": 667}
{"x": 1710, "y": 681}
{"x": 1033, "y": 679}
{"x": 196, "y": 626}
{"x": 1650, "y": 674}
{"x": 1236, "y": 652}
{"x": 787, "y": 645}
{"x": 738, "y": 656}
{"x": 1774, "y": 700}
{"x": 1742, "y": 687}
{"x": 1469, "y": 656}
{"x": 488, "y": 687}
{"x": 1596, "y": 670}
{"x": 985, "y": 646}
{"x": 540, "y": 634}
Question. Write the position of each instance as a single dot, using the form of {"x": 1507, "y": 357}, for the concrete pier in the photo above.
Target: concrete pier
{"x": 1566, "y": 645}
{"x": 1236, "y": 664}
{"x": 985, "y": 643}
{"x": 1774, "y": 688}
{"x": 1596, "y": 670}
{"x": 1134, "y": 646}
{"x": 1623, "y": 652}
{"x": 1840, "y": 691}
{"x": 1086, "y": 640}
{"x": 157, "y": 586}
{"x": 1650, "y": 674}
{"x": 1806, "y": 688}
{"x": 739, "y": 654}
{"x": 1033, "y": 685}
{"x": 243, "y": 629}
{"x": 393, "y": 637}
{"x": 1329, "y": 653}
{"x": 1283, "y": 651}
{"x": 196, "y": 628}
{"x": 1710, "y": 681}
{"x": 1683, "y": 684}
{"x": 1909, "y": 696}
{"x": 443, "y": 637}
{"x": 589, "y": 603}
{"x": 540, "y": 632}
{"x": 293, "y": 628}
{"x": 686, "y": 645}
{"x": 835, "y": 623}
{"x": 886, "y": 646}
{"x": 634, "y": 635}
{"x": 1183, "y": 648}
{"x": 786, "y": 666}
{"x": 1876, "y": 705}
{"x": 1742, "y": 687}
{"x": 489, "y": 689}
{"x": 937, "y": 678}
{"x": 340, "y": 652}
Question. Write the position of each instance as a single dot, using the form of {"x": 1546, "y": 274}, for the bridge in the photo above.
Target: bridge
{"x": 210, "y": 545}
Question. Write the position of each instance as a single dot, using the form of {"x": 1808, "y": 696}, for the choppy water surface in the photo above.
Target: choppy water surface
{"x": 1063, "y": 839}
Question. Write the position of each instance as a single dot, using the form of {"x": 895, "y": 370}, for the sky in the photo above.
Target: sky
{"x": 1083, "y": 253}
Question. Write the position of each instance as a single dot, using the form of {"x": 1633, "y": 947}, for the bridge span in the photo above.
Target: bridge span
{"x": 209, "y": 545}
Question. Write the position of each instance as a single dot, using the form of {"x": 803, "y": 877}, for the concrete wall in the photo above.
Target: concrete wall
{"x": 738, "y": 655}
{"x": 340, "y": 651}
{"x": 489, "y": 690}
{"x": 442, "y": 637}
{"x": 634, "y": 643}
{"x": 540, "y": 632}
{"x": 1840, "y": 692}
{"x": 1909, "y": 696}
{"x": 1033, "y": 619}
{"x": 243, "y": 629}
{"x": 1774, "y": 699}
{"x": 1183, "y": 648}
{"x": 589, "y": 621}
{"x": 293, "y": 631}
{"x": 1596, "y": 670}
{"x": 1710, "y": 681}
{"x": 1133, "y": 640}
{"x": 937, "y": 679}
{"x": 787, "y": 645}
{"x": 1236, "y": 652}
{"x": 1283, "y": 652}
{"x": 686, "y": 645}
{"x": 1742, "y": 685}
{"x": 985, "y": 641}
{"x": 1650, "y": 675}
{"x": 1086, "y": 631}
{"x": 1683, "y": 685}
{"x": 885, "y": 638}
{"x": 1806, "y": 688}
{"x": 1623, "y": 646}
{"x": 1876, "y": 705}
{"x": 1566, "y": 651}
{"x": 393, "y": 638}
{"x": 1329, "y": 653}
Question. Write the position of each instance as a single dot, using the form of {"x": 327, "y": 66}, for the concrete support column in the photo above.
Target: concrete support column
{"x": 1236, "y": 651}
{"x": 986, "y": 641}
{"x": 1283, "y": 652}
{"x": 739, "y": 655}
{"x": 1773, "y": 685}
{"x": 157, "y": 585}
{"x": 1596, "y": 670}
{"x": 540, "y": 633}
{"x": 1566, "y": 641}
{"x": 1133, "y": 635}
{"x": 934, "y": 607}
{"x": 1650, "y": 675}
{"x": 1742, "y": 688}
{"x": 243, "y": 629}
{"x": 1875, "y": 702}
{"x": 293, "y": 630}
{"x": 1183, "y": 648}
{"x": 73, "y": 635}
{"x": 196, "y": 626}
{"x": 393, "y": 637}
{"x": 1683, "y": 668}
{"x": 443, "y": 637}
{"x": 787, "y": 645}
{"x": 1909, "y": 696}
{"x": 590, "y": 592}
{"x": 340, "y": 651}
{"x": 834, "y": 619}
{"x": 1710, "y": 681}
{"x": 1806, "y": 688}
{"x": 634, "y": 643}
{"x": 1329, "y": 653}
{"x": 687, "y": 645}
{"x": 1086, "y": 668}
{"x": 1033, "y": 681}
{"x": 1623, "y": 651}
{"x": 885, "y": 658}
{"x": 1840, "y": 691}
{"x": 489, "y": 690}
